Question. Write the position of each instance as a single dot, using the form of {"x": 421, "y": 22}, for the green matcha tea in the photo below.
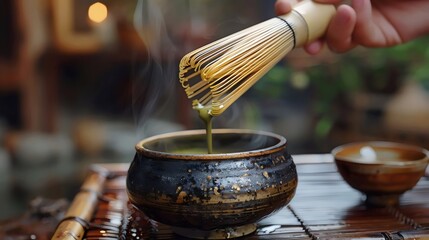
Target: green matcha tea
{"x": 204, "y": 114}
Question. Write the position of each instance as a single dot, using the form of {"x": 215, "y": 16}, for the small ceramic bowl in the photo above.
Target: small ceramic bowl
{"x": 383, "y": 171}
{"x": 211, "y": 196}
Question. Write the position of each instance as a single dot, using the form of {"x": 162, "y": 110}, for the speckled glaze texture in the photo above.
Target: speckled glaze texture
{"x": 210, "y": 191}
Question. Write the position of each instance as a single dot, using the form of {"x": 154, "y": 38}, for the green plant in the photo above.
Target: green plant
{"x": 381, "y": 71}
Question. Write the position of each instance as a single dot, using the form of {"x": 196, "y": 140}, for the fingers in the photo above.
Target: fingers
{"x": 336, "y": 2}
{"x": 284, "y": 6}
{"x": 315, "y": 47}
{"x": 365, "y": 31}
{"x": 339, "y": 34}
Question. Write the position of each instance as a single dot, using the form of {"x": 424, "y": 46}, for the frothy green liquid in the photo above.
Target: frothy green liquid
{"x": 204, "y": 114}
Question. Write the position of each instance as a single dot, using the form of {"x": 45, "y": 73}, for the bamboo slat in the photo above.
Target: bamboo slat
{"x": 82, "y": 208}
{"x": 324, "y": 207}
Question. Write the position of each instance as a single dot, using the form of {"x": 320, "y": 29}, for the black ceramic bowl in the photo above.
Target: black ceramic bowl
{"x": 220, "y": 195}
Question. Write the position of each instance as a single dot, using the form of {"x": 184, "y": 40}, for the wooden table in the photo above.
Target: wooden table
{"x": 324, "y": 207}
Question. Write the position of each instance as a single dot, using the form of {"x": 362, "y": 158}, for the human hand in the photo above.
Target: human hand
{"x": 377, "y": 23}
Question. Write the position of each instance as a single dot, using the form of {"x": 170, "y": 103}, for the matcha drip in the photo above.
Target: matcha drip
{"x": 204, "y": 113}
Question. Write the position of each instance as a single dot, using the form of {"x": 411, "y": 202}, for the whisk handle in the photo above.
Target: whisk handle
{"x": 313, "y": 21}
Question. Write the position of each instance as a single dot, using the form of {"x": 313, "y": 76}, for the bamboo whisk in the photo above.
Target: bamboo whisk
{"x": 217, "y": 74}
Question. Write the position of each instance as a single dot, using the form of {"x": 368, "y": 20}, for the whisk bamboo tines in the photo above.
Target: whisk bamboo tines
{"x": 217, "y": 74}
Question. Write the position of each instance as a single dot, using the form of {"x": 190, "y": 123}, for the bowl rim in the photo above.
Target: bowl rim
{"x": 213, "y": 156}
{"x": 410, "y": 147}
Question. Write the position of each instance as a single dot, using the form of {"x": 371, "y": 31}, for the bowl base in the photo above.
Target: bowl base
{"x": 220, "y": 233}
{"x": 382, "y": 200}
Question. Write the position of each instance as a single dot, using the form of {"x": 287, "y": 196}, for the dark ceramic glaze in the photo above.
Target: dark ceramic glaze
{"x": 211, "y": 191}
{"x": 383, "y": 181}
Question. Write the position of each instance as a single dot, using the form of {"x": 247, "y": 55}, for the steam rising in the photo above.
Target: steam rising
{"x": 155, "y": 82}
{"x": 156, "y": 90}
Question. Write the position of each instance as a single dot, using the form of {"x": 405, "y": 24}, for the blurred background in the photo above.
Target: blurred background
{"x": 82, "y": 81}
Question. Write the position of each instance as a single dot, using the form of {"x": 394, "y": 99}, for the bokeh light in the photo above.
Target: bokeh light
{"x": 97, "y": 12}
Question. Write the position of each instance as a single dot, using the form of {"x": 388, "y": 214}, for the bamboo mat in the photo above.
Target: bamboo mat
{"x": 324, "y": 207}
